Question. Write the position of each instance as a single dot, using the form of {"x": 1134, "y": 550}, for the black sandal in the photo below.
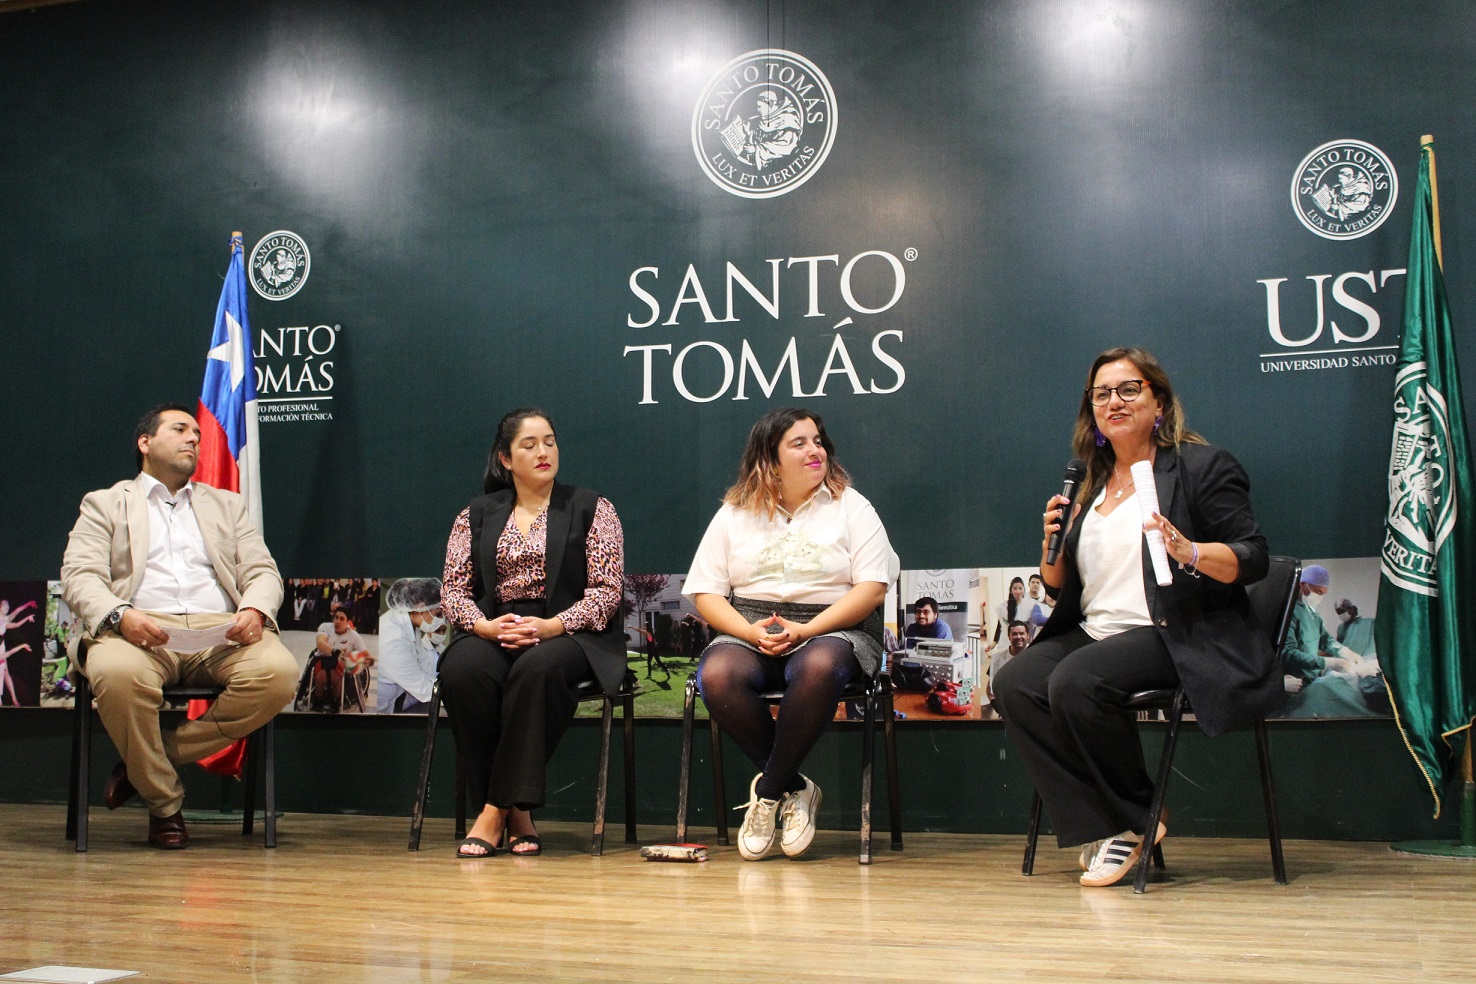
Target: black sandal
{"x": 534, "y": 839}
{"x": 488, "y": 849}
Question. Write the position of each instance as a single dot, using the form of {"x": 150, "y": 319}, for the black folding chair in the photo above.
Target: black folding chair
{"x": 875, "y": 695}
{"x": 588, "y": 691}
{"x": 1272, "y": 598}
{"x": 261, "y": 757}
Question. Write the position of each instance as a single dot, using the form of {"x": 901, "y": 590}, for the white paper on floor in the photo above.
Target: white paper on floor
{"x": 67, "y": 975}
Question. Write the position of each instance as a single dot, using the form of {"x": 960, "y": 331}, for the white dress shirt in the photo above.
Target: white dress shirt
{"x": 832, "y": 544}
{"x": 178, "y": 576}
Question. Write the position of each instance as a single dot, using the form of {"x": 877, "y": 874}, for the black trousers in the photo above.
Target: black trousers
{"x": 1062, "y": 701}
{"x": 509, "y": 708}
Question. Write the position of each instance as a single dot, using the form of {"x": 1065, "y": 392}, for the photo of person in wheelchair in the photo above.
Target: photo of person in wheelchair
{"x": 336, "y": 677}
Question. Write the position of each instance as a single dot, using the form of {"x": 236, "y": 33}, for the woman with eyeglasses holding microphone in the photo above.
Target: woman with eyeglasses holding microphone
{"x": 1117, "y": 629}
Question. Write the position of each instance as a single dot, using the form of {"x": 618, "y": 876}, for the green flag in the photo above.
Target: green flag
{"x": 1424, "y": 632}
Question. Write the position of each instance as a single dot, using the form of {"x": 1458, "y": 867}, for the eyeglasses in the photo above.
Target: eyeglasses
{"x": 1128, "y": 390}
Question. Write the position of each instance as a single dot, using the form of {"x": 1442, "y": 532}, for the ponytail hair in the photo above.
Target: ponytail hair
{"x": 497, "y": 477}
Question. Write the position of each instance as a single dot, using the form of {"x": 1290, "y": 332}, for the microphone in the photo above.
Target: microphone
{"x": 1147, "y": 496}
{"x": 1075, "y": 474}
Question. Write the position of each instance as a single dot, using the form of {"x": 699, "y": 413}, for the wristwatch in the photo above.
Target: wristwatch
{"x": 114, "y": 617}
{"x": 267, "y": 621}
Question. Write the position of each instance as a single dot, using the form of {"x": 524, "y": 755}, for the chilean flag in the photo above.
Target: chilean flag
{"x": 228, "y": 443}
{"x": 229, "y": 448}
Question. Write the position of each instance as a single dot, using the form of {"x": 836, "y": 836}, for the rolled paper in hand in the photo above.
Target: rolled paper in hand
{"x": 1147, "y": 496}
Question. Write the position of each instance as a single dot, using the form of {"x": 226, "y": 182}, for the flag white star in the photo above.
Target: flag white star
{"x": 231, "y": 351}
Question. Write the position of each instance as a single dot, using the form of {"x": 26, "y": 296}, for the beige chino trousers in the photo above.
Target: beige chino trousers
{"x": 128, "y": 683}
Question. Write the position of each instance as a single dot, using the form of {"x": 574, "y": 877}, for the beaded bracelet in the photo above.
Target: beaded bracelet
{"x": 1192, "y": 568}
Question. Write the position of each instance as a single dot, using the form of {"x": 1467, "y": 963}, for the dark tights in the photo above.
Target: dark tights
{"x": 733, "y": 679}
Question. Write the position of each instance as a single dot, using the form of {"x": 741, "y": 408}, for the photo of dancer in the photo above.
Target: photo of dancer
{"x": 21, "y": 642}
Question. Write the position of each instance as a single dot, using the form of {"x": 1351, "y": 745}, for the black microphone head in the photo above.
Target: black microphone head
{"x": 1076, "y": 471}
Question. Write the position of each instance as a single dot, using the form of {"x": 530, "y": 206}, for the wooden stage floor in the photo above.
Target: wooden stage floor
{"x": 341, "y": 900}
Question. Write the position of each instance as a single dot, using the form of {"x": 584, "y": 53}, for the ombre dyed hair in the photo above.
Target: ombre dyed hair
{"x": 757, "y": 487}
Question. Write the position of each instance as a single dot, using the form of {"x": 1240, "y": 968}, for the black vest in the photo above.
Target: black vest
{"x": 565, "y": 565}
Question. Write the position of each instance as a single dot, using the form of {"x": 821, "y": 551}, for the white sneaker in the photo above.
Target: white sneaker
{"x": 758, "y": 835}
{"x": 1116, "y": 857}
{"x": 1090, "y": 848}
{"x": 1113, "y": 859}
{"x": 798, "y": 814}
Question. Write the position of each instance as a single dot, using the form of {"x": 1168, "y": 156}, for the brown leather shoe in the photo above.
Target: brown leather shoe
{"x": 118, "y": 790}
{"x": 168, "y": 833}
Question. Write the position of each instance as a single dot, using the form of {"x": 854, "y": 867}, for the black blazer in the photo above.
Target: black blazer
{"x": 565, "y": 564}
{"x": 1221, "y": 652}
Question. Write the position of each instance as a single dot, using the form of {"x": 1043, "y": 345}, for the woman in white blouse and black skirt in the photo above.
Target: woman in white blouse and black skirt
{"x": 791, "y": 573}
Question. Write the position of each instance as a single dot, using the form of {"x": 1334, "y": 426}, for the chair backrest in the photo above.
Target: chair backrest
{"x": 1273, "y": 597}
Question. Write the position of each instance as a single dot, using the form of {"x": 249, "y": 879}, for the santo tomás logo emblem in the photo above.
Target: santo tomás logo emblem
{"x": 764, "y": 124}
{"x": 1421, "y": 498}
{"x": 1344, "y": 189}
{"x": 279, "y": 265}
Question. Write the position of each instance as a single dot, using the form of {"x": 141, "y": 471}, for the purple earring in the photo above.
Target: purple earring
{"x": 1101, "y": 441}
{"x": 1157, "y": 423}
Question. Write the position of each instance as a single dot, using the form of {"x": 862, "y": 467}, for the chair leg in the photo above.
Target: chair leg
{"x": 1032, "y": 835}
{"x": 627, "y": 710}
{"x": 602, "y": 778}
{"x": 248, "y": 793}
{"x": 889, "y": 739}
{"x": 684, "y": 771}
{"x": 427, "y": 751}
{"x": 1160, "y": 788}
{"x": 461, "y": 794}
{"x": 1268, "y": 793}
{"x": 868, "y": 755}
{"x": 76, "y": 766}
{"x": 81, "y": 789}
{"x": 269, "y": 780}
{"x": 719, "y": 789}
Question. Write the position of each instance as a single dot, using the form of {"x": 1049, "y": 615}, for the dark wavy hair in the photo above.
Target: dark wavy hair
{"x": 497, "y": 477}
{"x": 149, "y": 424}
{"x": 1170, "y": 434}
{"x": 757, "y": 487}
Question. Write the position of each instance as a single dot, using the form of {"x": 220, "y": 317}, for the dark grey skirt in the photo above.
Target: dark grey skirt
{"x": 865, "y": 637}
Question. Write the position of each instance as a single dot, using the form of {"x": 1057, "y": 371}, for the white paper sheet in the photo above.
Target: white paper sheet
{"x": 68, "y": 975}
{"x": 183, "y": 640}
{"x": 1147, "y": 495}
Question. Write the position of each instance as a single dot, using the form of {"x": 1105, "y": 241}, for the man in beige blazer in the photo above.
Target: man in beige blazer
{"x": 157, "y": 554}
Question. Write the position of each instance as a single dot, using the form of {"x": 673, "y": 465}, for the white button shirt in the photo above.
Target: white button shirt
{"x": 178, "y": 576}
{"x": 832, "y": 544}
